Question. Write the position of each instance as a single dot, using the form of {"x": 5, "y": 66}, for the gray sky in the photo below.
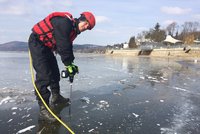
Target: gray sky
{"x": 117, "y": 20}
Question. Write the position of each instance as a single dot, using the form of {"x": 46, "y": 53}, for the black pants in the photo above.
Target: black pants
{"x": 46, "y": 67}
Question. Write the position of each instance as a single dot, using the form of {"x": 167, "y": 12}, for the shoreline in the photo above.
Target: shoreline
{"x": 171, "y": 52}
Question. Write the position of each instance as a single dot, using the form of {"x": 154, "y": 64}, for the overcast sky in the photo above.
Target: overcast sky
{"x": 117, "y": 20}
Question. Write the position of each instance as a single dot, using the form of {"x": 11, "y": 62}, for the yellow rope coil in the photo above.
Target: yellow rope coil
{"x": 33, "y": 81}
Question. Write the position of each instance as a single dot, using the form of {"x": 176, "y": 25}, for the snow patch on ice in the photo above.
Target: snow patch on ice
{"x": 4, "y": 88}
{"x": 25, "y": 129}
{"x": 163, "y": 78}
{"x": 181, "y": 89}
{"x": 85, "y": 106}
{"x": 142, "y": 77}
{"x": 138, "y": 103}
{"x": 14, "y": 108}
{"x": 156, "y": 81}
{"x": 5, "y": 100}
{"x": 85, "y": 99}
{"x": 136, "y": 115}
{"x": 100, "y": 123}
{"x": 161, "y": 100}
{"x": 26, "y": 116}
{"x": 102, "y": 105}
{"x": 123, "y": 81}
{"x": 185, "y": 90}
{"x": 167, "y": 131}
{"x": 9, "y": 120}
{"x": 158, "y": 125}
{"x": 119, "y": 94}
{"x": 91, "y": 130}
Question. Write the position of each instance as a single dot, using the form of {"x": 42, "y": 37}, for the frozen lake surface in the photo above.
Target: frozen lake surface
{"x": 111, "y": 95}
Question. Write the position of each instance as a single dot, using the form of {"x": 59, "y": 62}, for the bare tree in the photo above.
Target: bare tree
{"x": 190, "y": 27}
{"x": 189, "y": 31}
{"x": 172, "y": 28}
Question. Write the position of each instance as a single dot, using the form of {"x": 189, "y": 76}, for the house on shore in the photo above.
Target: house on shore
{"x": 196, "y": 41}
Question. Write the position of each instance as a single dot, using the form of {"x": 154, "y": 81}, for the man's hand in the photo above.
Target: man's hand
{"x": 72, "y": 69}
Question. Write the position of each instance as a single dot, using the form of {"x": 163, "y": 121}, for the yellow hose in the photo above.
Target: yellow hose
{"x": 33, "y": 81}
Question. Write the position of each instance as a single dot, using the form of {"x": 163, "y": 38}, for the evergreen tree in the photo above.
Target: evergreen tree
{"x": 132, "y": 43}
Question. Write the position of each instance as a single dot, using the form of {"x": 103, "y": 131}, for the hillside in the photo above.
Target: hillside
{"x": 89, "y": 48}
{"x": 14, "y": 46}
{"x": 23, "y": 46}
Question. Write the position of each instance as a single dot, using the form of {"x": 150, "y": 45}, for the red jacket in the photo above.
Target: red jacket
{"x": 45, "y": 29}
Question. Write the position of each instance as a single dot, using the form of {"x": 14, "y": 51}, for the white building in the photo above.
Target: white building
{"x": 170, "y": 39}
{"x": 196, "y": 41}
{"x": 125, "y": 45}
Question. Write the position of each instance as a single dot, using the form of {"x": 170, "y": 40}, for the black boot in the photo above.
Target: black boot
{"x": 59, "y": 99}
{"x": 45, "y": 115}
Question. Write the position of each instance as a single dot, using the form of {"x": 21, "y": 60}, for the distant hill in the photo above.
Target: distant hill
{"x": 23, "y": 46}
{"x": 14, "y": 46}
{"x": 89, "y": 48}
